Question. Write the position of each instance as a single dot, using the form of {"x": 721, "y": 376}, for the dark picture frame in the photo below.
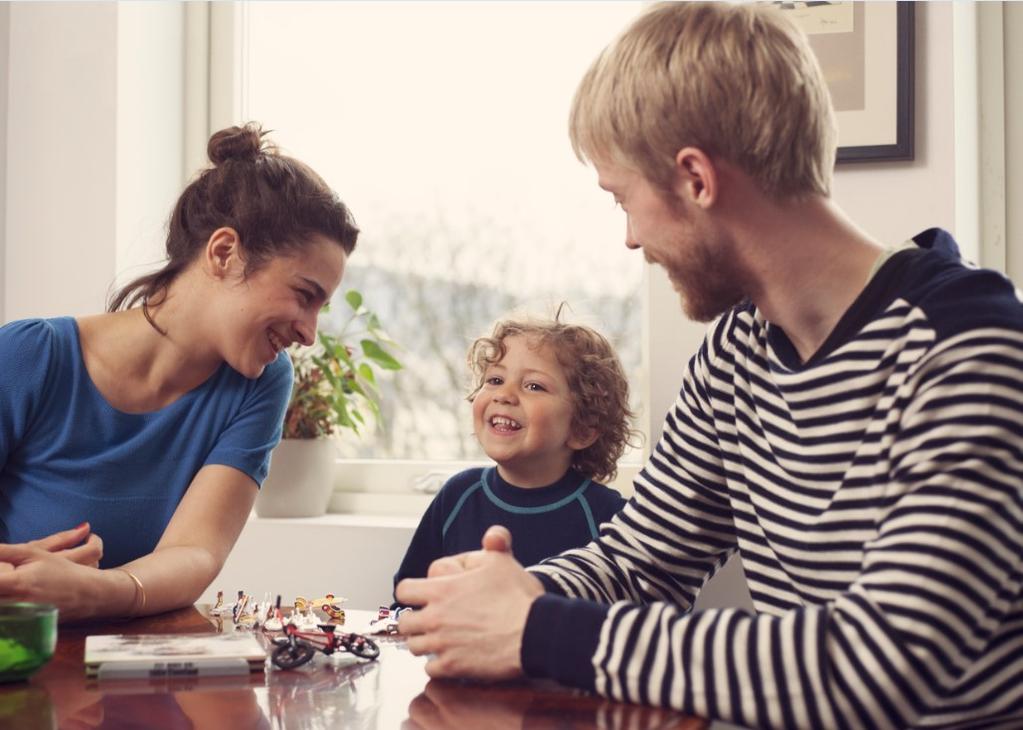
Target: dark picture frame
{"x": 869, "y": 67}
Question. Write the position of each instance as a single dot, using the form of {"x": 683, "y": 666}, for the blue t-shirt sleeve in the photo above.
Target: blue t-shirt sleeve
{"x": 247, "y": 441}
{"x": 26, "y": 351}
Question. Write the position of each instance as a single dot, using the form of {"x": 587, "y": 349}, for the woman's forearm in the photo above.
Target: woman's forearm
{"x": 169, "y": 578}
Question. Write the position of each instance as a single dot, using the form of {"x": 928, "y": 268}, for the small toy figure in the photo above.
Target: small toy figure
{"x": 275, "y": 619}
{"x": 297, "y": 647}
{"x": 223, "y": 609}
{"x": 248, "y": 614}
{"x": 386, "y": 621}
{"x": 331, "y": 606}
{"x": 304, "y": 619}
{"x": 239, "y": 607}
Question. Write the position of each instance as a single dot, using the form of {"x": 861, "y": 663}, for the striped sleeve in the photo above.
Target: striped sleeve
{"x": 933, "y": 613}
{"x": 678, "y": 529}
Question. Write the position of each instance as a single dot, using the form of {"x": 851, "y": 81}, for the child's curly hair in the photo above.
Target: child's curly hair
{"x": 596, "y": 379}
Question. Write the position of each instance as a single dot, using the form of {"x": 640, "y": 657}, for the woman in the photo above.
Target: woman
{"x": 152, "y": 424}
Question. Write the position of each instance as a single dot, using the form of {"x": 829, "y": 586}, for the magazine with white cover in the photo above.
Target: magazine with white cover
{"x": 165, "y": 655}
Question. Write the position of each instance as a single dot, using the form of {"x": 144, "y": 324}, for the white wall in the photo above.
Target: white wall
{"x": 150, "y": 131}
{"x": 93, "y": 149}
{"x": 1014, "y": 137}
{"x": 5, "y": 42}
{"x": 61, "y": 142}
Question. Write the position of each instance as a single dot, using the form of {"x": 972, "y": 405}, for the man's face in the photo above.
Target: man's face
{"x": 699, "y": 257}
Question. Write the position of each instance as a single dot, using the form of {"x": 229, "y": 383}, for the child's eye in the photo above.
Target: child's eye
{"x": 493, "y": 380}
{"x": 535, "y": 387}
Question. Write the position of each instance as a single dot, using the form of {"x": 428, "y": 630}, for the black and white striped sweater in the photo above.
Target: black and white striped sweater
{"x": 875, "y": 497}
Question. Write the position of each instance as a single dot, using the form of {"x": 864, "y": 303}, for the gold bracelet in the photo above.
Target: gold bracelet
{"x": 140, "y": 593}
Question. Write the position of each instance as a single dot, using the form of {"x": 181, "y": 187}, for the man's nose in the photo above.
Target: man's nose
{"x": 630, "y": 238}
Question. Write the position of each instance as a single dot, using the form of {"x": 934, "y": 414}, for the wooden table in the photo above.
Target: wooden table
{"x": 389, "y": 694}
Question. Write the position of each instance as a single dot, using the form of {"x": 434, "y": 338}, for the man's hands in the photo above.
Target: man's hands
{"x": 474, "y": 609}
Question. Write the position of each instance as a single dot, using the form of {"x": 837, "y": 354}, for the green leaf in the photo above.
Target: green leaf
{"x": 354, "y": 299}
{"x": 379, "y": 355}
{"x": 336, "y": 384}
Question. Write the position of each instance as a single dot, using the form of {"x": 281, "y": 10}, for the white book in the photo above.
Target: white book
{"x": 154, "y": 656}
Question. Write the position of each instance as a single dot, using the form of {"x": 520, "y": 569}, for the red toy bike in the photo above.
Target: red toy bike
{"x": 297, "y": 647}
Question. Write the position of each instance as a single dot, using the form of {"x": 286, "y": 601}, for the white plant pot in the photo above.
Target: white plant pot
{"x": 300, "y": 481}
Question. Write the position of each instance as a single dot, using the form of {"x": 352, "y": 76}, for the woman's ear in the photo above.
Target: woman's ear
{"x": 223, "y": 253}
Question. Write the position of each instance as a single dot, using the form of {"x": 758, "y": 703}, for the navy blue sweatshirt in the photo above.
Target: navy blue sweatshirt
{"x": 543, "y": 521}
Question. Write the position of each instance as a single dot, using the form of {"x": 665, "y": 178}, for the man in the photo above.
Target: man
{"x": 851, "y": 426}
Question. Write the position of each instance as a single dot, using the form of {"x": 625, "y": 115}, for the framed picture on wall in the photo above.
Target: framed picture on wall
{"x": 866, "y": 52}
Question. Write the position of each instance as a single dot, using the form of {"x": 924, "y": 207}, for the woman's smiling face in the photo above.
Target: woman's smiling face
{"x": 278, "y": 304}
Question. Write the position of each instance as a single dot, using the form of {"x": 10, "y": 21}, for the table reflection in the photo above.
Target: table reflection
{"x": 165, "y": 705}
{"x": 26, "y": 706}
{"x": 325, "y": 695}
{"x": 450, "y": 704}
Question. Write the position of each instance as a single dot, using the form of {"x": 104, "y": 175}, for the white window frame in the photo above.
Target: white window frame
{"x": 215, "y": 52}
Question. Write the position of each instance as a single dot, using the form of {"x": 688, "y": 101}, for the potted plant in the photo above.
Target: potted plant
{"x": 335, "y": 390}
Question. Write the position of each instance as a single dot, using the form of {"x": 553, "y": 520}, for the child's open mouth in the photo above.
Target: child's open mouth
{"x": 504, "y": 424}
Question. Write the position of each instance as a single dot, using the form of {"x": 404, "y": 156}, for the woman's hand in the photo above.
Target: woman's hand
{"x": 79, "y": 545}
{"x": 33, "y": 573}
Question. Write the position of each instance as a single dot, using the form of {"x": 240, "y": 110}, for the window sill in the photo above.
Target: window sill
{"x": 376, "y": 504}
{"x": 333, "y": 519}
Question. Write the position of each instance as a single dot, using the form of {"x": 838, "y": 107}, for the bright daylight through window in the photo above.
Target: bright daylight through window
{"x": 444, "y": 127}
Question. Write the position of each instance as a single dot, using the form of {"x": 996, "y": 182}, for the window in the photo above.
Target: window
{"x": 444, "y": 127}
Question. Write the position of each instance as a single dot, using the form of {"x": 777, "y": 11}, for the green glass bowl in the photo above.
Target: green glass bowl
{"x": 28, "y": 636}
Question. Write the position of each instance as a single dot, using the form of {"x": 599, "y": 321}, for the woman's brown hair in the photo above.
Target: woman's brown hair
{"x": 274, "y": 203}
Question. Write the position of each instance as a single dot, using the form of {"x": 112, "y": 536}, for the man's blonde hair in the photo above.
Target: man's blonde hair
{"x": 736, "y": 81}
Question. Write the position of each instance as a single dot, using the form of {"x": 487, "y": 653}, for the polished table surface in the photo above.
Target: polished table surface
{"x": 391, "y": 692}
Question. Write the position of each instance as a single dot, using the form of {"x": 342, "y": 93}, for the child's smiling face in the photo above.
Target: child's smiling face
{"x": 522, "y": 415}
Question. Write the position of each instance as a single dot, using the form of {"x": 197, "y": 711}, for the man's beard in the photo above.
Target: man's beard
{"x": 708, "y": 277}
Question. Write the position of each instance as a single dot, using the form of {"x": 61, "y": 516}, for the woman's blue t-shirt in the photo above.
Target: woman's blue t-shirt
{"x": 67, "y": 456}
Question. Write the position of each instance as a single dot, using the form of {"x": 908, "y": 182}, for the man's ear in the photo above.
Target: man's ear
{"x": 223, "y": 253}
{"x": 696, "y": 177}
{"x": 578, "y": 442}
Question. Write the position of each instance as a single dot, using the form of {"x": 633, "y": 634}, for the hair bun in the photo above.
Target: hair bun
{"x": 243, "y": 143}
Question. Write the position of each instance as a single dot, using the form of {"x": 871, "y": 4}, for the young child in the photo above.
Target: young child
{"x": 550, "y": 406}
